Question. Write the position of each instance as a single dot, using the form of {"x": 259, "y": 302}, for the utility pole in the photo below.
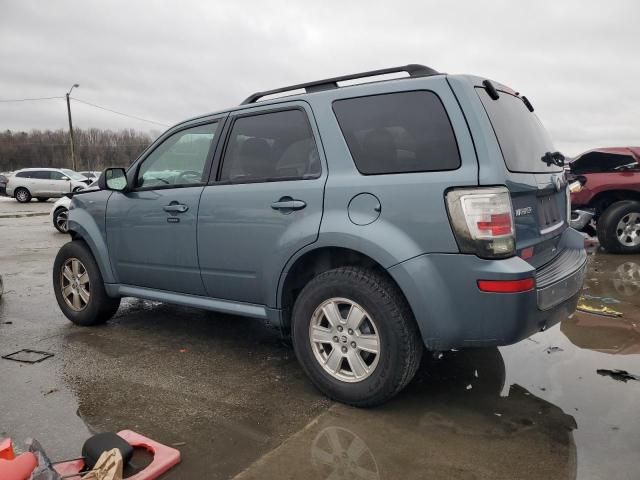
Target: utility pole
{"x": 73, "y": 156}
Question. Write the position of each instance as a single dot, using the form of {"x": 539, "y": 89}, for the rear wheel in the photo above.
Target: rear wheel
{"x": 61, "y": 220}
{"x": 355, "y": 336}
{"x": 22, "y": 195}
{"x": 79, "y": 287}
{"x": 619, "y": 228}
{"x": 43, "y": 199}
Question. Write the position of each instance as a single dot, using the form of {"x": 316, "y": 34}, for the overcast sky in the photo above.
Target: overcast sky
{"x": 578, "y": 61}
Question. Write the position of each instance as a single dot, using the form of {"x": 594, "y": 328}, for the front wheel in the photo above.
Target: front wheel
{"x": 61, "y": 220}
{"x": 619, "y": 228}
{"x": 79, "y": 287}
{"x": 355, "y": 336}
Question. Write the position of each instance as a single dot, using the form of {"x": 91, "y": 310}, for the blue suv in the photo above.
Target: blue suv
{"x": 365, "y": 221}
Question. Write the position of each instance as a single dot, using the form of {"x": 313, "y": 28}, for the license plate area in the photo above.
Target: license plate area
{"x": 550, "y": 213}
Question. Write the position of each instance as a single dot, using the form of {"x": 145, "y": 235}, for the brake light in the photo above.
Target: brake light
{"x": 482, "y": 221}
{"x": 507, "y": 286}
{"x": 498, "y": 224}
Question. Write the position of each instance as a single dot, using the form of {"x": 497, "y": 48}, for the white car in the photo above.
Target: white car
{"x": 44, "y": 183}
{"x": 60, "y": 212}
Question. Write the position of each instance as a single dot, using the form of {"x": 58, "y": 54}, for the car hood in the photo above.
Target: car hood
{"x": 628, "y": 151}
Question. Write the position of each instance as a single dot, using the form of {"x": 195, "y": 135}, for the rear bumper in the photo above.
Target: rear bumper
{"x": 452, "y": 312}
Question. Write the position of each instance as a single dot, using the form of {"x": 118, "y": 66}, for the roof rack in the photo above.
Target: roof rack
{"x": 414, "y": 70}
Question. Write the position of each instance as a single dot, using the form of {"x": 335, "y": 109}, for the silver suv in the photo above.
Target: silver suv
{"x": 44, "y": 183}
{"x": 366, "y": 222}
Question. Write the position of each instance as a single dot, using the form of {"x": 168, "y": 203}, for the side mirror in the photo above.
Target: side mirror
{"x": 113, "y": 179}
{"x": 66, "y": 179}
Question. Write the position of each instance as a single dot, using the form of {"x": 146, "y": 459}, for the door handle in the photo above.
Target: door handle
{"x": 288, "y": 205}
{"x": 175, "y": 207}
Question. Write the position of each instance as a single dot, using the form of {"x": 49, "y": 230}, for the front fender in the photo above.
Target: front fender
{"x": 87, "y": 222}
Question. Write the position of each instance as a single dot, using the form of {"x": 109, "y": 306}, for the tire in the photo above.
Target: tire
{"x": 61, "y": 219}
{"x": 43, "y": 199}
{"x": 619, "y": 227}
{"x": 92, "y": 309}
{"x": 399, "y": 343}
{"x": 22, "y": 195}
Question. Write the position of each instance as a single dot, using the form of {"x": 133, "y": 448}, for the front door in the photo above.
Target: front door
{"x": 151, "y": 230}
{"x": 265, "y": 204}
{"x": 59, "y": 183}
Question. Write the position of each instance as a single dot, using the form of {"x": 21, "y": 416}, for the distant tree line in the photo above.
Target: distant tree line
{"x": 95, "y": 149}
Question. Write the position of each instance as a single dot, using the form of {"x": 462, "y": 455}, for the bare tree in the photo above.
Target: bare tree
{"x": 96, "y": 149}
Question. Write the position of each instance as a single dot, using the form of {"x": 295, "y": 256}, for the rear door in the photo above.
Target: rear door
{"x": 538, "y": 189}
{"x": 40, "y": 183}
{"x": 264, "y": 204}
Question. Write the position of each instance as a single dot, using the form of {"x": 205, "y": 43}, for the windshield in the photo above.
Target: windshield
{"x": 73, "y": 175}
{"x": 522, "y": 138}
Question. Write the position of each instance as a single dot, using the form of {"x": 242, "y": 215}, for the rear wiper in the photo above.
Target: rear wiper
{"x": 553, "y": 158}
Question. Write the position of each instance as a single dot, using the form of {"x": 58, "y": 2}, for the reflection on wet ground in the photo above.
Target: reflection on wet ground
{"x": 450, "y": 423}
{"x": 231, "y": 394}
{"x": 613, "y": 283}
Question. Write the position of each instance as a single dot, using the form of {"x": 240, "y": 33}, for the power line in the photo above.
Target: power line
{"x": 29, "y": 99}
{"x": 119, "y": 113}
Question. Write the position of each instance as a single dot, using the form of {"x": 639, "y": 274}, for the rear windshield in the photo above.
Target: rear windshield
{"x": 522, "y": 138}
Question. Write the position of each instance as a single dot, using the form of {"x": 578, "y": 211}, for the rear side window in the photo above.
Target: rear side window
{"x": 398, "y": 133}
{"x": 41, "y": 175}
{"x": 267, "y": 147}
{"x": 23, "y": 175}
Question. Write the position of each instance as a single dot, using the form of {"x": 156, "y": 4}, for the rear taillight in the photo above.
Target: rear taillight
{"x": 482, "y": 221}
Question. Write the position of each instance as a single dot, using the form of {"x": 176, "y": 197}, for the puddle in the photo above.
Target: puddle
{"x": 437, "y": 428}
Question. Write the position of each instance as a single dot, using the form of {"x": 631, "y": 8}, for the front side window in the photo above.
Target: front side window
{"x": 56, "y": 175}
{"x": 275, "y": 146}
{"x": 178, "y": 160}
{"x": 73, "y": 175}
{"x": 398, "y": 133}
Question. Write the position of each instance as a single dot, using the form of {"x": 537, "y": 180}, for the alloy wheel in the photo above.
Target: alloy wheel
{"x": 62, "y": 220}
{"x": 75, "y": 285}
{"x": 628, "y": 230}
{"x": 345, "y": 340}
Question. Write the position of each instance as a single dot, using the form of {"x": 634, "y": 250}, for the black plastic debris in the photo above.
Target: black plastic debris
{"x": 620, "y": 375}
{"x": 28, "y": 356}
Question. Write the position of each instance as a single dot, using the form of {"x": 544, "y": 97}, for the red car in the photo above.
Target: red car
{"x": 610, "y": 195}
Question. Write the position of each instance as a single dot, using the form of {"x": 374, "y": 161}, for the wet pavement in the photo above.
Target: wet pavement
{"x": 230, "y": 394}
